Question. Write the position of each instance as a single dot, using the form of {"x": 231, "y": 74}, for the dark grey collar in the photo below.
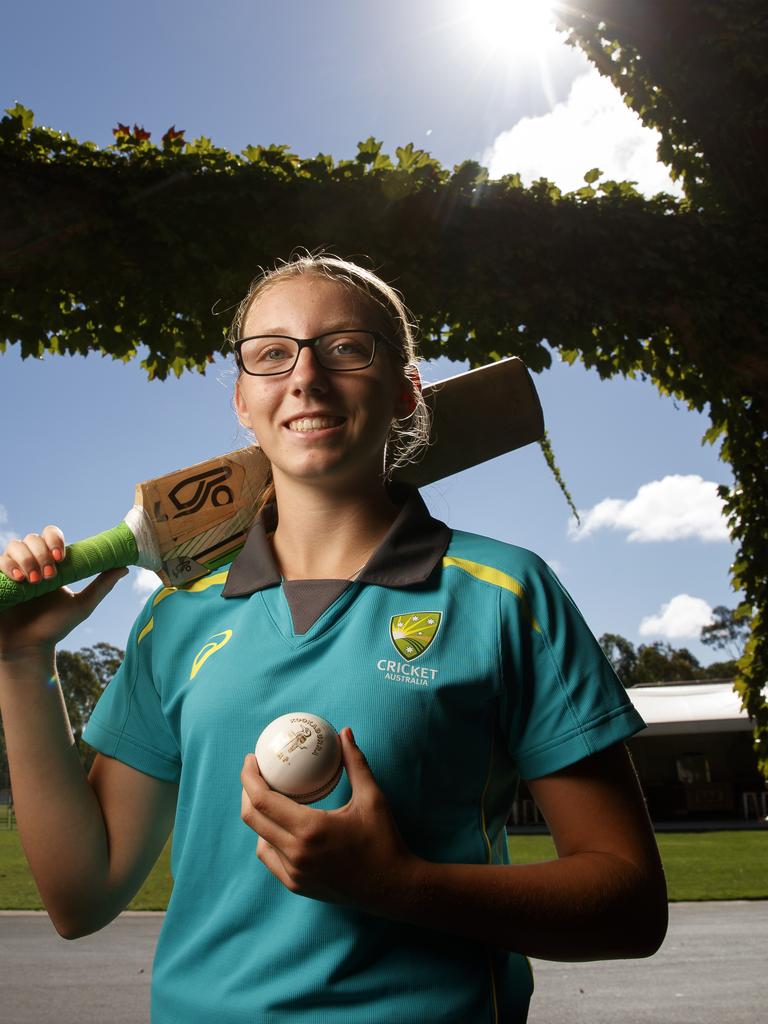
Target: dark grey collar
{"x": 412, "y": 547}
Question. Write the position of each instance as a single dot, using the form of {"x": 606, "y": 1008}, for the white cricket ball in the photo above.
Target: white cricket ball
{"x": 299, "y": 755}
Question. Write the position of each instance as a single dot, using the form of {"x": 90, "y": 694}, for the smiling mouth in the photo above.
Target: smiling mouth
{"x": 311, "y": 424}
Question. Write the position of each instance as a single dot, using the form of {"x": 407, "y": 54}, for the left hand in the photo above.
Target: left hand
{"x": 353, "y": 855}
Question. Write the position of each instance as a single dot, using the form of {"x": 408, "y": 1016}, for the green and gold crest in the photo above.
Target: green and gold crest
{"x": 413, "y": 632}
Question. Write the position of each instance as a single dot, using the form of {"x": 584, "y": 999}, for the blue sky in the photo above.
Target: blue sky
{"x": 652, "y": 556}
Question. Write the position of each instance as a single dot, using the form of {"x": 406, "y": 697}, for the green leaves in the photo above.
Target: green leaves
{"x": 22, "y": 115}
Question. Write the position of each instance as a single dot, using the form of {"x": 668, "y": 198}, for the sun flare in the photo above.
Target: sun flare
{"x": 513, "y": 26}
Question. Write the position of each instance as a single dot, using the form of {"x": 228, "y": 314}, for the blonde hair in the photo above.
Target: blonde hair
{"x": 408, "y": 438}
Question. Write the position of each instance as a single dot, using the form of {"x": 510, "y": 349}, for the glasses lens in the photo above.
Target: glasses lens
{"x": 346, "y": 350}
{"x": 268, "y": 355}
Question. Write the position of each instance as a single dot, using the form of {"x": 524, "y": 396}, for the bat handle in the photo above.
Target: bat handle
{"x": 108, "y": 550}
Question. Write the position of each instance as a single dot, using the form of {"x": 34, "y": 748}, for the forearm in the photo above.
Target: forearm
{"x": 588, "y": 906}
{"x": 58, "y": 814}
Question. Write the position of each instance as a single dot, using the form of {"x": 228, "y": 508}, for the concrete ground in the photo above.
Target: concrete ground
{"x": 710, "y": 970}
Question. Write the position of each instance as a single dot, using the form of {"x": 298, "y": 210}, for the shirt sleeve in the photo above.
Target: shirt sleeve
{"x": 128, "y": 721}
{"x": 561, "y": 699}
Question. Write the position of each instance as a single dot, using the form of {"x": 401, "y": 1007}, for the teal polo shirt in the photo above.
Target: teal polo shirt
{"x": 461, "y": 664}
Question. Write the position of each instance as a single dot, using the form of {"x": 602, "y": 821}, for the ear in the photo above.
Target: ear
{"x": 406, "y": 401}
{"x": 240, "y": 407}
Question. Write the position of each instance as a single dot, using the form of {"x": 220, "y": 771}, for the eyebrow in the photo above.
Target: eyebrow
{"x": 340, "y": 326}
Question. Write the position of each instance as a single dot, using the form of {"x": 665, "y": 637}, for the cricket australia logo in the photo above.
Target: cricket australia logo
{"x": 413, "y": 632}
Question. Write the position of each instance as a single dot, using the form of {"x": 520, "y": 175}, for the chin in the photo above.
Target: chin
{"x": 333, "y": 471}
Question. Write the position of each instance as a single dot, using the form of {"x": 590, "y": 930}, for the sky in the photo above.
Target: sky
{"x": 484, "y": 81}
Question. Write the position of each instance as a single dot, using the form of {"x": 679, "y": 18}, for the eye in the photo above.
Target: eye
{"x": 261, "y": 351}
{"x": 347, "y": 346}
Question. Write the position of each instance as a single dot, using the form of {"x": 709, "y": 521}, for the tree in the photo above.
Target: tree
{"x": 661, "y": 662}
{"x": 83, "y": 674}
{"x": 104, "y": 250}
{"x": 658, "y": 662}
{"x": 622, "y": 656}
{"x": 729, "y": 631}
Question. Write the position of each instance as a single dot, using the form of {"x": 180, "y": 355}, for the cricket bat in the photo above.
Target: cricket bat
{"x": 185, "y": 524}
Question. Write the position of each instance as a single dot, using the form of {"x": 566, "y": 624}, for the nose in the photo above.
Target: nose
{"x": 308, "y": 375}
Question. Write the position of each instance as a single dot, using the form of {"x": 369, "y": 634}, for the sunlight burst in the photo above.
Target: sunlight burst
{"x": 514, "y": 26}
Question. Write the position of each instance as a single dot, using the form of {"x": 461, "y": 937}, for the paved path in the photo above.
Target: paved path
{"x": 709, "y": 971}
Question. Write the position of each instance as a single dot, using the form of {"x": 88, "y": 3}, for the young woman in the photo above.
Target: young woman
{"x": 458, "y": 662}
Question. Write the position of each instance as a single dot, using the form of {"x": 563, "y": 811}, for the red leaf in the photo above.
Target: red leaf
{"x": 122, "y": 129}
{"x": 172, "y": 134}
{"x": 139, "y": 134}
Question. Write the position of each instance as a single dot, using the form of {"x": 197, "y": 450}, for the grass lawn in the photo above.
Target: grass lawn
{"x": 699, "y": 866}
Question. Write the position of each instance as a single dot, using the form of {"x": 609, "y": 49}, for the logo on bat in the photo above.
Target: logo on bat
{"x": 413, "y": 632}
{"x": 190, "y": 494}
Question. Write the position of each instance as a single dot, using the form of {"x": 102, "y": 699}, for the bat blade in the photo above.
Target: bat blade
{"x": 199, "y": 516}
{"x": 477, "y": 415}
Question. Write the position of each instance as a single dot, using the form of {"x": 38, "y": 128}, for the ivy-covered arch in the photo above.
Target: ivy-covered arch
{"x": 110, "y": 249}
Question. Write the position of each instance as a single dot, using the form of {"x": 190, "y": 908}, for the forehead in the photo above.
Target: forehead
{"x": 308, "y": 304}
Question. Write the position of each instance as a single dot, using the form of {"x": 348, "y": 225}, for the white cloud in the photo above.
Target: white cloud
{"x": 592, "y": 128}
{"x": 681, "y": 618}
{"x": 5, "y": 535}
{"x": 674, "y": 508}
{"x": 145, "y": 581}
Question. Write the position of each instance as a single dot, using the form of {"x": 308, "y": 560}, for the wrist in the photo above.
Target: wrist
{"x": 401, "y": 897}
{"x": 35, "y": 658}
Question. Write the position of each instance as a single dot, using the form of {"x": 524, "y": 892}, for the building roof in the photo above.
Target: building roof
{"x": 689, "y": 707}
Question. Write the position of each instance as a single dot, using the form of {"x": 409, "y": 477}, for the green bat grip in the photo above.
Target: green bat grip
{"x": 107, "y": 550}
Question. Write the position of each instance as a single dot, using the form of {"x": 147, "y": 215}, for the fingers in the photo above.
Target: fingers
{"x": 34, "y": 558}
{"x": 361, "y": 778}
{"x": 272, "y": 815}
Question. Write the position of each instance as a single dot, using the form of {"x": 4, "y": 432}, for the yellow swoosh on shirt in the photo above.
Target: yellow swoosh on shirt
{"x": 208, "y": 649}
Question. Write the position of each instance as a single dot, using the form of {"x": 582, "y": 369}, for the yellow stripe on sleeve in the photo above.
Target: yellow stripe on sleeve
{"x": 147, "y": 629}
{"x": 497, "y": 578}
{"x": 207, "y": 581}
{"x": 203, "y": 584}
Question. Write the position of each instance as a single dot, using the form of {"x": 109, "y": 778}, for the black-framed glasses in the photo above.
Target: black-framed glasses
{"x": 264, "y": 355}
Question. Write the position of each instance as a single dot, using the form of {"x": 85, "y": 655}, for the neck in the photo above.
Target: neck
{"x": 322, "y": 535}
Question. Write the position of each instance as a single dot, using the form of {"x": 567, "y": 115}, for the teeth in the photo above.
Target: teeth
{"x": 316, "y": 423}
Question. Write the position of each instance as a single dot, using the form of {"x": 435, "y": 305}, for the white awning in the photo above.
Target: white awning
{"x": 689, "y": 708}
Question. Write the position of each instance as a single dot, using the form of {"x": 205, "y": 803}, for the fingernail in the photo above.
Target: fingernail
{"x": 56, "y": 552}
{"x": 17, "y": 574}
{"x": 48, "y": 571}
{"x": 351, "y": 736}
{"x": 34, "y": 576}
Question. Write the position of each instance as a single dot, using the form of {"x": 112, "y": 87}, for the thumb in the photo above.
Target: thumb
{"x": 355, "y": 761}
{"x": 97, "y": 589}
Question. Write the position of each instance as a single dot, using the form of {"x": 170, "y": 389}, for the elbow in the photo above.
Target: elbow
{"x": 655, "y": 931}
{"x": 65, "y": 929}
{"x": 71, "y": 930}
{"x": 79, "y": 927}
{"x": 68, "y": 928}
{"x": 650, "y": 919}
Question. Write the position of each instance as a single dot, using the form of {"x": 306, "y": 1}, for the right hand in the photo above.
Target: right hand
{"x": 35, "y": 627}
